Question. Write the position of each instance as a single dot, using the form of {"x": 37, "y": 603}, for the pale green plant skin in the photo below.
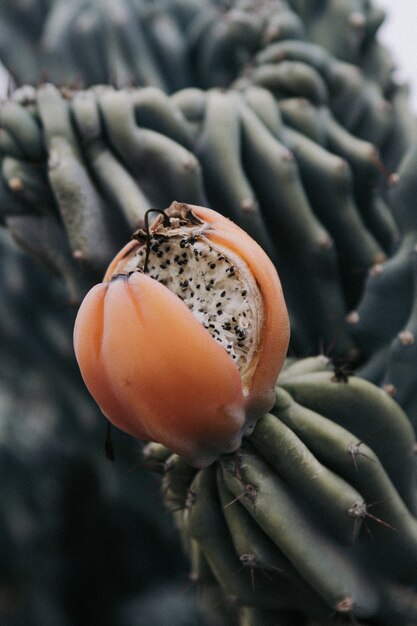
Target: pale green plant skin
{"x": 315, "y": 516}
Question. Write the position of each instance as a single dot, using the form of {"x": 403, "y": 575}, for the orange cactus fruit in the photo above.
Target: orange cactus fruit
{"x": 184, "y": 339}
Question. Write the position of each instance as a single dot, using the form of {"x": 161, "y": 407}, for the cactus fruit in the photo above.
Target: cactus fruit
{"x": 204, "y": 334}
{"x": 314, "y": 518}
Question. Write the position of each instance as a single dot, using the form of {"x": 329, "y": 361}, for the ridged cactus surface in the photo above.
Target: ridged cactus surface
{"x": 79, "y": 170}
{"x": 314, "y": 519}
{"x": 175, "y": 43}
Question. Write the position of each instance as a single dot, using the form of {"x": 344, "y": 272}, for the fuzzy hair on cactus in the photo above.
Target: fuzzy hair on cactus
{"x": 184, "y": 339}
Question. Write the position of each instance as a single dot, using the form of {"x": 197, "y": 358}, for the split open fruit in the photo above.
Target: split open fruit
{"x": 183, "y": 340}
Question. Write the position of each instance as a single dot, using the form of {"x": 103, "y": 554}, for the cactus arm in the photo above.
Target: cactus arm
{"x": 218, "y": 149}
{"x": 324, "y": 491}
{"x": 344, "y": 453}
{"x": 336, "y": 209}
{"x": 263, "y": 104}
{"x": 10, "y": 201}
{"x": 191, "y": 102}
{"x": 24, "y": 129}
{"x": 80, "y": 205}
{"x": 294, "y": 50}
{"x": 369, "y": 413}
{"x": 118, "y": 186}
{"x": 87, "y": 45}
{"x": 275, "y": 178}
{"x": 387, "y": 295}
{"x": 57, "y": 26}
{"x": 145, "y": 151}
{"x": 156, "y": 111}
{"x": 170, "y": 49}
{"x": 301, "y": 115}
{"x": 9, "y": 145}
{"x": 347, "y": 103}
{"x": 373, "y": 369}
{"x": 400, "y": 376}
{"x": 378, "y": 218}
{"x": 281, "y": 25}
{"x": 261, "y": 556}
{"x": 128, "y": 35}
{"x": 375, "y": 123}
{"x": 205, "y": 523}
{"x": 292, "y": 78}
{"x": 27, "y": 181}
{"x": 331, "y": 571}
{"x": 362, "y": 156}
{"x": 357, "y": 463}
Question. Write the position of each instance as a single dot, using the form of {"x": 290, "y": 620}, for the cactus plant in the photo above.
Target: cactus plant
{"x": 93, "y": 159}
{"x": 248, "y": 109}
{"x": 314, "y": 518}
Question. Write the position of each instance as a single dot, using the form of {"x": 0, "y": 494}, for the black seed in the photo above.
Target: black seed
{"x": 220, "y": 312}
{"x": 212, "y": 266}
{"x": 163, "y": 266}
{"x": 244, "y": 292}
{"x": 223, "y": 293}
{"x": 218, "y": 304}
{"x": 181, "y": 270}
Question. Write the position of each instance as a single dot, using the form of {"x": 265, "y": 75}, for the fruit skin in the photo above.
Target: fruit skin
{"x": 155, "y": 371}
